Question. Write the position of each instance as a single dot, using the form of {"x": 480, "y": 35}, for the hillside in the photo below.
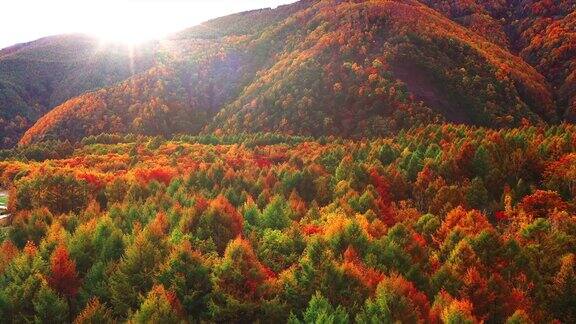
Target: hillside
{"x": 179, "y": 97}
{"x": 37, "y": 76}
{"x": 542, "y": 32}
{"x": 363, "y": 68}
{"x": 317, "y": 68}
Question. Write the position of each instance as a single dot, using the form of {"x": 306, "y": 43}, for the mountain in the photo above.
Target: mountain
{"x": 348, "y": 68}
{"x": 542, "y": 32}
{"x": 365, "y": 67}
{"x": 37, "y": 76}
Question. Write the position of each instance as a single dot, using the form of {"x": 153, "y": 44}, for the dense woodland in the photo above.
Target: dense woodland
{"x": 440, "y": 224}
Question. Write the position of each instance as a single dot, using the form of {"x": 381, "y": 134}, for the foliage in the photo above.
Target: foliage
{"x": 279, "y": 228}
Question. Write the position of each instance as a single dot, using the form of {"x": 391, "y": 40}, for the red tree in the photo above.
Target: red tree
{"x": 63, "y": 277}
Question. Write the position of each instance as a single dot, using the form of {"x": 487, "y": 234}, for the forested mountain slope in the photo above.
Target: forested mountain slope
{"x": 37, "y": 76}
{"x": 542, "y": 32}
{"x": 365, "y": 66}
{"x": 351, "y": 68}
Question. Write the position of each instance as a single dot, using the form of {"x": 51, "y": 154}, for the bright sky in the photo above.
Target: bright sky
{"x": 117, "y": 20}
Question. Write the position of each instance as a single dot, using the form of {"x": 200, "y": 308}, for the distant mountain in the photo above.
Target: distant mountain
{"x": 349, "y": 68}
{"x": 37, "y": 76}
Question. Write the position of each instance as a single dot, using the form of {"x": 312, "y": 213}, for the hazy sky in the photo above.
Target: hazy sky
{"x": 121, "y": 20}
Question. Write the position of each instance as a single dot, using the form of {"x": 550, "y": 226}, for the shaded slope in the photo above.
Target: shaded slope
{"x": 542, "y": 32}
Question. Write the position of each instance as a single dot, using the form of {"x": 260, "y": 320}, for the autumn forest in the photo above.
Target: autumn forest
{"x": 327, "y": 161}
